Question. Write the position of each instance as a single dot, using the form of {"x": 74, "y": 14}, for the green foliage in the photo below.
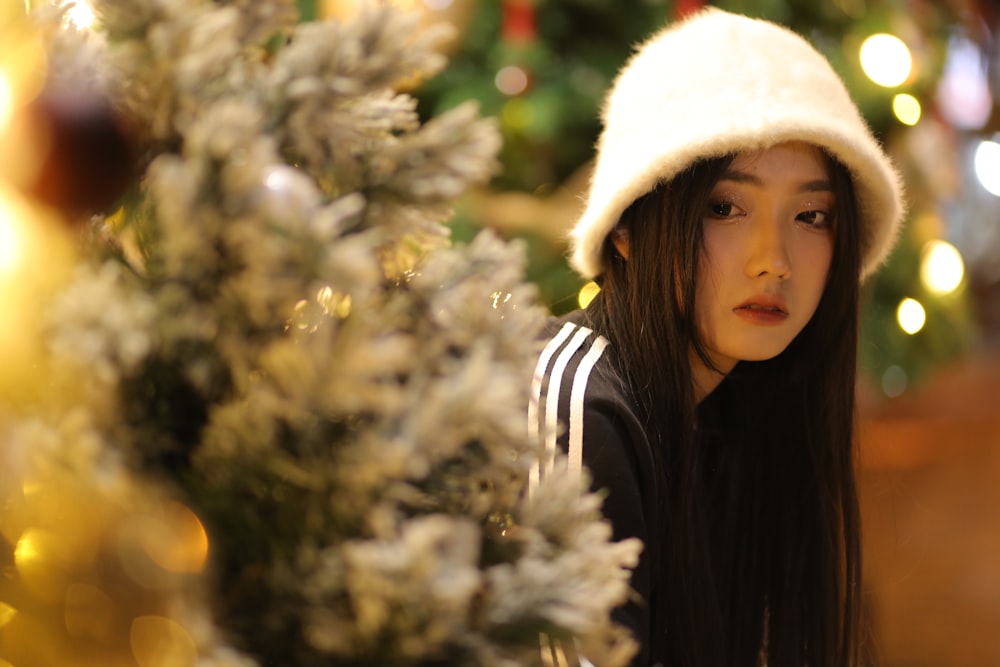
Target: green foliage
{"x": 948, "y": 332}
{"x": 308, "y": 10}
{"x": 548, "y": 130}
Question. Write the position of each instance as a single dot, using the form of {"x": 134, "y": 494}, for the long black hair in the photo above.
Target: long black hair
{"x": 760, "y": 541}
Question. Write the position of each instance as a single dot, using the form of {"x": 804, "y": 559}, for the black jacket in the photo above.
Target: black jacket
{"x": 577, "y": 391}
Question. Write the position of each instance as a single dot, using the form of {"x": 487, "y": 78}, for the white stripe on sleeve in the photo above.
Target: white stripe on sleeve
{"x": 552, "y": 397}
{"x": 536, "y": 392}
{"x": 580, "y": 379}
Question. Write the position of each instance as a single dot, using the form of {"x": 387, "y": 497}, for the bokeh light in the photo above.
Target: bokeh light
{"x": 27, "y": 550}
{"x": 911, "y": 316}
{"x": 184, "y": 545}
{"x": 159, "y": 545}
{"x": 161, "y": 642}
{"x": 963, "y": 91}
{"x": 587, "y": 293}
{"x": 40, "y": 563}
{"x": 886, "y": 60}
{"x": 36, "y": 251}
{"x": 987, "y": 166}
{"x": 894, "y": 381}
{"x": 511, "y": 80}
{"x": 10, "y": 236}
{"x": 81, "y": 15}
{"x": 518, "y": 113}
{"x": 6, "y": 101}
{"x": 907, "y": 109}
{"x": 941, "y": 267}
{"x": 7, "y": 613}
{"x": 23, "y": 58}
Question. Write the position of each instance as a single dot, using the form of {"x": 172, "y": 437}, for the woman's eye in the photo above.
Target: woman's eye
{"x": 814, "y": 218}
{"x": 723, "y": 209}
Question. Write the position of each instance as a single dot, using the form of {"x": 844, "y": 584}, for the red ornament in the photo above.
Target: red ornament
{"x": 86, "y": 160}
{"x": 683, "y": 8}
{"x": 519, "y": 24}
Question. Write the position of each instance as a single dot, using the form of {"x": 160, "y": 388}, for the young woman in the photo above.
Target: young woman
{"x": 738, "y": 200}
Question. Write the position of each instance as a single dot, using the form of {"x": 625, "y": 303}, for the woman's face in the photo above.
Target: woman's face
{"x": 768, "y": 242}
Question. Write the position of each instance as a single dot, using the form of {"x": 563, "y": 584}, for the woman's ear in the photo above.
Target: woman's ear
{"x": 619, "y": 236}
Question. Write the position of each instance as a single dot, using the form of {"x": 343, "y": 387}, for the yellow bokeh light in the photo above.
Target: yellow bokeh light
{"x": 587, "y": 294}
{"x": 27, "y": 550}
{"x": 6, "y": 101}
{"x": 190, "y": 551}
{"x": 518, "y": 113}
{"x": 906, "y": 108}
{"x": 161, "y": 642}
{"x": 11, "y": 242}
{"x": 28, "y": 228}
{"x": 177, "y": 542}
{"x": 941, "y": 267}
{"x": 36, "y": 559}
{"x": 36, "y": 254}
{"x": 6, "y": 613}
{"x": 81, "y": 15}
{"x": 22, "y": 59}
{"x": 886, "y": 60}
{"x": 911, "y": 316}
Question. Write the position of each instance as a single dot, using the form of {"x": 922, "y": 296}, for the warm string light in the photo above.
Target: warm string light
{"x": 987, "y": 166}
{"x": 911, "y": 316}
{"x": 906, "y": 108}
{"x": 10, "y": 233}
{"x": 35, "y": 258}
{"x": 941, "y": 267}
{"x": 587, "y": 293}
{"x": 21, "y": 66}
{"x": 81, "y": 15}
{"x": 23, "y": 69}
{"x": 157, "y": 641}
{"x": 94, "y": 565}
{"x": 6, "y": 102}
{"x": 886, "y": 60}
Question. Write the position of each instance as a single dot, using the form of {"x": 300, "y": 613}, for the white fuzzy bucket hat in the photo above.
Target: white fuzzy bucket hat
{"x": 719, "y": 83}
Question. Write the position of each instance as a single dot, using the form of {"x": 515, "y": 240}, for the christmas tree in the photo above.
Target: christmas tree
{"x": 269, "y": 414}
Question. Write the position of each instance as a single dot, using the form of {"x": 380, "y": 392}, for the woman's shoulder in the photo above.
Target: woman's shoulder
{"x": 574, "y": 355}
{"x": 576, "y": 385}
{"x": 583, "y": 406}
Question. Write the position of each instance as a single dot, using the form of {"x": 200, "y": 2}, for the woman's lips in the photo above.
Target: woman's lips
{"x": 763, "y": 309}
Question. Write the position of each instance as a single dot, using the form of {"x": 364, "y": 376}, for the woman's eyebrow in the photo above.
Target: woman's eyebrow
{"x": 817, "y": 185}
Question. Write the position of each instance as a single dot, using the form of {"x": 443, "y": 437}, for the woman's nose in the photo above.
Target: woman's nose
{"x": 768, "y": 252}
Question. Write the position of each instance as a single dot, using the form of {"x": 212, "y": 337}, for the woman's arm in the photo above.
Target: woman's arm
{"x": 616, "y": 454}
